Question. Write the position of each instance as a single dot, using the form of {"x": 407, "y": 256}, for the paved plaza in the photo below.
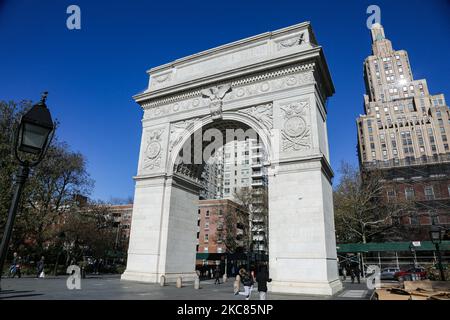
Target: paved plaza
{"x": 108, "y": 287}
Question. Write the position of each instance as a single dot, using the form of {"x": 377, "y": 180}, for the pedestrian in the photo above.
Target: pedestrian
{"x": 16, "y": 266}
{"x": 100, "y": 266}
{"x": 247, "y": 281}
{"x": 40, "y": 268}
{"x": 217, "y": 276}
{"x": 358, "y": 274}
{"x": 355, "y": 273}
{"x": 344, "y": 272}
{"x": 262, "y": 278}
{"x": 95, "y": 265}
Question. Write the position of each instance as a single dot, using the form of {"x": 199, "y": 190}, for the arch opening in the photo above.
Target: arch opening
{"x": 227, "y": 160}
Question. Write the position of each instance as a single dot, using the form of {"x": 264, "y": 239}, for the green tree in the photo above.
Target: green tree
{"x": 89, "y": 230}
{"x": 50, "y": 190}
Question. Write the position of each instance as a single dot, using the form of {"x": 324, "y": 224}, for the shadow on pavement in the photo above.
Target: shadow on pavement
{"x": 21, "y": 296}
{"x": 14, "y": 291}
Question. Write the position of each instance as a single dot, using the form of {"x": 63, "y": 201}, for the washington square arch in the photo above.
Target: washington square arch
{"x": 276, "y": 83}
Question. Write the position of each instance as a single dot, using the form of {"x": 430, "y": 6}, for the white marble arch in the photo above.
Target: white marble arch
{"x": 276, "y": 83}
{"x": 266, "y": 139}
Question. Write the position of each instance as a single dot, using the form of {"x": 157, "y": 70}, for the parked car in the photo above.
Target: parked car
{"x": 408, "y": 274}
{"x": 389, "y": 273}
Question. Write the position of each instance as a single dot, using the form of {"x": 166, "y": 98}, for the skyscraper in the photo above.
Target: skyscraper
{"x": 403, "y": 123}
{"x": 404, "y": 134}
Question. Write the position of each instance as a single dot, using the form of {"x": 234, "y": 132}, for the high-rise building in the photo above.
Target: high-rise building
{"x": 403, "y": 123}
{"x": 404, "y": 134}
{"x": 212, "y": 177}
{"x": 240, "y": 165}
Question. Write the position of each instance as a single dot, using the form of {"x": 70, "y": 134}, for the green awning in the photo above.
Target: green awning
{"x": 389, "y": 246}
{"x": 218, "y": 256}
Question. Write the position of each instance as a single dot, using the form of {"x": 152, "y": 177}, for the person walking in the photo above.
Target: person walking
{"x": 247, "y": 281}
{"x": 344, "y": 272}
{"x": 355, "y": 273}
{"x": 262, "y": 278}
{"x": 217, "y": 276}
{"x": 16, "y": 266}
{"x": 40, "y": 268}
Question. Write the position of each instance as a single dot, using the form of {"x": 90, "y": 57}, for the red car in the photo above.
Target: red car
{"x": 408, "y": 274}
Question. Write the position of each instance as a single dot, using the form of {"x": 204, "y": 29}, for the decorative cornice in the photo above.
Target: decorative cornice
{"x": 235, "y": 83}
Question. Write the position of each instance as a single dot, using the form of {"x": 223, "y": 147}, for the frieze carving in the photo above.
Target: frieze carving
{"x": 291, "y": 42}
{"x": 263, "y": 114}
{"x": 234, "y": 84}
{"x": 296, "y": 133}
{"x": 176, "y": 131}
{"x": 215, "y": 96}
{"x": 271, "y": 85}
{"x": 153, "y": 151}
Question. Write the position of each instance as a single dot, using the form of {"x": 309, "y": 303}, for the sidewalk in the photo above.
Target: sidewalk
{"x": 110, "y": 287}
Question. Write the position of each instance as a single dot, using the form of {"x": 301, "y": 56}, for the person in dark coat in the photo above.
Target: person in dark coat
{"x": 355, "y": 273}
{"x": 40, "y": 267}
{"x": 16, "y": 265}
{"x": 217, "y": 276}
{"x": 247, "y": 281}
{"x": 262, "y": 278}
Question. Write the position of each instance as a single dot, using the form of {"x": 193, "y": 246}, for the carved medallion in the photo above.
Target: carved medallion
{"x": 296, "y": 133}
{"x": 295, "y": 126}
{"x": 153, "y": 151}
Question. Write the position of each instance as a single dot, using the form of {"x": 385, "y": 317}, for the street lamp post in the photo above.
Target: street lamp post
{"x": 436, "y": 238}
{"x": 33, "y": 136}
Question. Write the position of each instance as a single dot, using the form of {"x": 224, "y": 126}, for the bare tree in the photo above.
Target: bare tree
{"x": 227, "y": 228}
{"x": 363, "y": 212}
{"x": 255, "y": 202}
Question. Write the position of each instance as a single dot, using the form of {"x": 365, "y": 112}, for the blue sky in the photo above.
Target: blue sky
{"x": 92, "y": 73}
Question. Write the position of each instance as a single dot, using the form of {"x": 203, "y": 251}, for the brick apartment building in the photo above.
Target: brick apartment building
{"x": 216, "y": 219}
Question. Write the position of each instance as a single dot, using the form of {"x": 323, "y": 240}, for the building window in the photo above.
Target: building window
{"x": 206, "y": 237}
{"x": 414, "y": 219}
{"x": 206, "y": 225}
{"x": 429, "y": 192}
{"x": 207, "y": 213}
{"x": 391, "y": 194}
{"x": 434, "y": 219}
{"x": 407, "y": 142}
{"x": 409, "y": 193}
